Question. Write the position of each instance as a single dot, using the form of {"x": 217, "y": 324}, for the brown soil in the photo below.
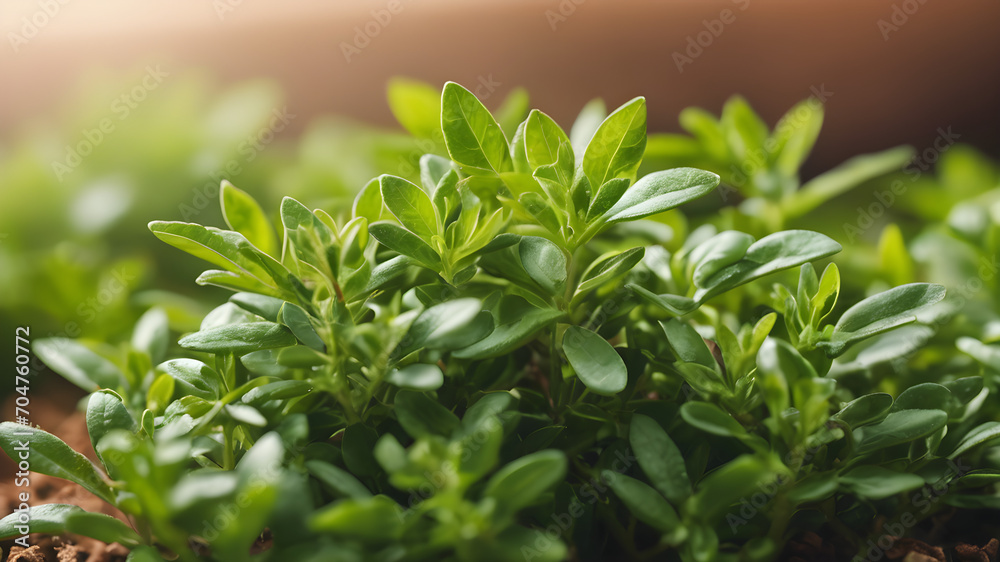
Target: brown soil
{"x": 49, "y": 413}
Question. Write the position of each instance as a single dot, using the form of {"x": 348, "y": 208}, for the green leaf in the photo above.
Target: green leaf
{"x": 711, "y": 419}
{"x": 337, "y": 479}
{"x": 49, "y": 455}
{"x": 795, "y": 134}
{"x": 980, "y": 434}
{"x": 924, "y": 396}
{"x": 519, "y": 484}
{"x": 300, "y": 324}
{"x": 844, "y": 177}
{"x": 102, "y": 527}
{"x": 226, "y": 249}
{"x": 417, "y": 107}
{"x": 473, "y": 137}
{"x": 781, "y": 250}
{"x": 644, "y": 503}
{"x": 406, "y": 243}
{"x": 717, "y": 492}
{"x": 517, "y": 321}
{"x": 374, "y": 519}
{"x": 421, "y": 415}
{"x": 542, "y": 139}
{"x": 660, "y": 459}
{"x": 880, "y": 313}
{"x": 301, "y": 357}
{"x": 716, "y": 253}
{"x": 239, "y": 338}
{"x": 49, "y": 519}
{"x": 607, "y": 195}
{"x": 433, "y": 169}
{"x": 609, "y": 267}
{"x": 244, "y": 215}
{"x": 357, "y": 444}
{"x": 865, "y": 410}
{"x": 418, "y": 376}
{"x": 411, "y": 206}
{"x": 106, "y": 412}
{"x": 151, "y": 334}
{"x": 661, "y": 191}
{"x": 898, "y": 427}
{"x": 595, "y": 361}
{"x": 674, "y": 304}
{"x": 193, "y": 378}
{"x": 443, "y": 325}
{"x": 687, "y": 344}
{"x": 78, "y": 364}
{"x": 279, "y": 390}
{"x": 544, "y": 262}
{"x": 875, "y": 483}
{"x": 586, "y": 124}
{"x": 368, "y": 203}
{"x": 617, "y": 146}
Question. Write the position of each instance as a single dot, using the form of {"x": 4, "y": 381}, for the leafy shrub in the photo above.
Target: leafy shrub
{"x": 526, "y": 355}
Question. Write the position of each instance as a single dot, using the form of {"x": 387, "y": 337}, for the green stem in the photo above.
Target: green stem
{"x": 228, "y": 454}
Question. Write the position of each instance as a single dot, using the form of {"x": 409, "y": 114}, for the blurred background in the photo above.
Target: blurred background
{"x": 117, "y": 112}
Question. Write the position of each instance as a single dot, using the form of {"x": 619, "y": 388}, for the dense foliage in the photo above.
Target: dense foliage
{"x": 526, "y": 353}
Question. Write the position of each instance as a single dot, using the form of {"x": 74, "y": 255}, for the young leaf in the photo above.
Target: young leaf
{"x": 106, "y": 412}
{"x": 711, "y": 419}
{"x": 586, "y": 124}
{"x": 660, "y": 459}
{"x": 244, "y": 215}
{"x": 226, "y": 249}
{"x": 617, "y": 146}
{"x": 660, "y": 191}
{"x": 880, "y": 313}
{"x": 404, "y": 242}
{"x": 542, "y": 139}
{"x": 410, "y": 205}
{"x": 49, "y": 455}
{"x": 595, "y": 361}
{"x": 473, "y": 137}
